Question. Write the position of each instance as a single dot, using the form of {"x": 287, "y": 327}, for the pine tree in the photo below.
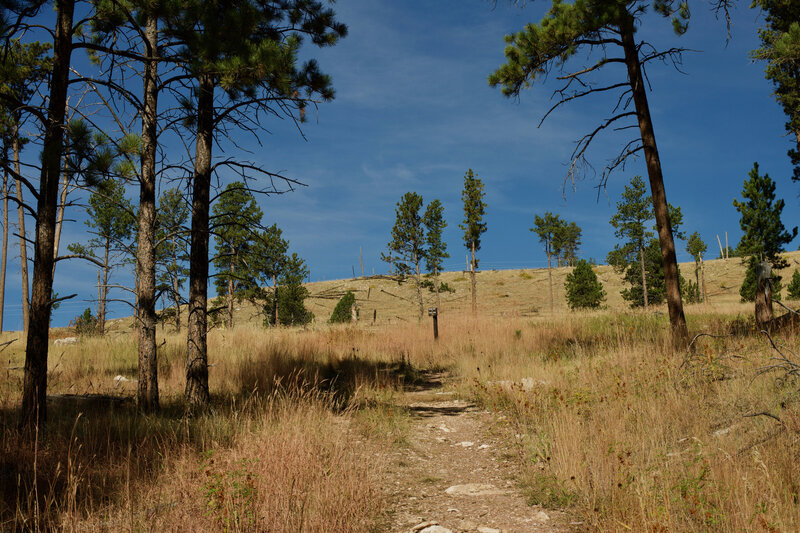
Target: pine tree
{"x": 172, "y": 247}
{"x": 597, "y": 30}
{"x": 473, "y": 225}
{"x": 436, "y": 250}
{"x": 408, "y": 240}
{"x": 551, "y": 230}
{"x": 584, "y": 290}
{"x": 630, "y": 222}
{"x": 244, "y": 56}
{"x": 793, "y": 289}
{"x": 760, "y": 219}
{"x": 780, "y": 48}
{"x": 235, "y": 215}
{"x": 291, "y": 293}
{"x": 112, "y": 219}
{"x": 571, "y": 242}
{"x": 342, "y": 312}
{"x": 696, "y": 248}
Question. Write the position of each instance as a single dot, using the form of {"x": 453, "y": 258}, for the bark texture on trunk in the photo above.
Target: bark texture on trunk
{"x": 147, "y": 392}
{"x": 419, "y": 288}
{"x": 680, "y": 334}
{"x": 473, "y": 283}
{"x": 62, "y": 205}
{"x": 644, "y": 277}
{"x": 23, "y": 245}
{"x": 101, "y": 304}
{"x": 34, "y": 392}
{"x": 196, "y": 347}
{"x": 550, "y": 277}
{"x": 275, "y": 319}
{"x": 176, "y": 294}
{"x": 5, "y": 249}
{"x": 230, "y": 295}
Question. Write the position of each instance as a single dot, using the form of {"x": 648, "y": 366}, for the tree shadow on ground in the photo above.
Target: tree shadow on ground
{"x": 94, "y": 446}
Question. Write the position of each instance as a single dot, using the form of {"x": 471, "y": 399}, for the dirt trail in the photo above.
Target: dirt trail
{"x": 455, "y": 473}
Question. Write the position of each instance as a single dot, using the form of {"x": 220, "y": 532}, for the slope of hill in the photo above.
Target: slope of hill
{"x": 510, "y": 292}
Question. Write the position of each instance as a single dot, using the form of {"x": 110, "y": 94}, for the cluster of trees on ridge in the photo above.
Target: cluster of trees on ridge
{"x": 158, "y": 74}
{"x": 637, "y": 256}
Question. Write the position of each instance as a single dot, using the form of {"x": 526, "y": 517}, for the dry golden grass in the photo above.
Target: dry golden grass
{"x": 613, "y": 426}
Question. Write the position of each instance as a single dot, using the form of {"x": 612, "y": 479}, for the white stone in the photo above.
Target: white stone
{"x": 435, "y": 529}
{"x": 474, "y": 489}
{"x": 466, "y": 444}
{"x": 541, "y": 516}
{"x": 483, "y": 446}
{"x": 66, "y": 340}
{"x": 484, "y": 529}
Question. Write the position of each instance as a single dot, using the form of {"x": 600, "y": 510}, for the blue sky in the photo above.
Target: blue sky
{"x": 413, "y": 111}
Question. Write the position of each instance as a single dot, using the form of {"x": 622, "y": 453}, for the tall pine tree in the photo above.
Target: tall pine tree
{"x": 605, "y": 32}
{"x": 473, "y": 226}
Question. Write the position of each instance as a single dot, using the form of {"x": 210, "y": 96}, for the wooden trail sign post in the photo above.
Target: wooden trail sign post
{"x": 434, "y": 313}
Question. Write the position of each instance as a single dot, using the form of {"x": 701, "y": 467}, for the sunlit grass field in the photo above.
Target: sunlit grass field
{"x": 606, "y": 421}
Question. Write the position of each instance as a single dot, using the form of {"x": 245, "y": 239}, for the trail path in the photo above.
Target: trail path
{"x": 455, "y": 474}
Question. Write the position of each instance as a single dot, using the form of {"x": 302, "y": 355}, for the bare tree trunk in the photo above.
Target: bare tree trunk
{"x": 680, "y": 333}
{"x": 197, "y": 393}
{"x": 275, "y": 300}
{"x": 473, "y": 283}
{"x": 23, "y": 245}
{"x": 34, "y": 392}
{"x": 436, "y": 286}
{"x": 176, "y": 293}
{"x": 644, "y": 277}
{"x": 550, "y": 276}
{"x": 147, "y": 393}
{"x": 101, "y": 305}
{"x": 62, "y": 205}
{"x": 5, "y": 249}
{"x": 703, "y": 274}
{"x": 419, "y": 288}
{"x": 230, "y": 293}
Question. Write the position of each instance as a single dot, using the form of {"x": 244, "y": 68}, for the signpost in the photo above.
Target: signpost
{"x": 434, "y": 312}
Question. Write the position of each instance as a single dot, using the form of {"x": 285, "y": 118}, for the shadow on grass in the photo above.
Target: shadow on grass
{"x": 94, "y": 448}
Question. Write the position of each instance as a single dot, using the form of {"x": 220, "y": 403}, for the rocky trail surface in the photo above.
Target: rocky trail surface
{"x": 455, "y": 475}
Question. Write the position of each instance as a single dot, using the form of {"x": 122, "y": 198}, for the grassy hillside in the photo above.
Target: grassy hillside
{"x": 511, "y": 292}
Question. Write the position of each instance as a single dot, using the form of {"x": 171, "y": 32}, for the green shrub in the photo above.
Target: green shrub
{"x": 86, "y": 324}
{"x": 794, "y": 286}
{"x": 443, "y": 287}
{"x": 584, "y": 290}
{"x": 341, "y": 313}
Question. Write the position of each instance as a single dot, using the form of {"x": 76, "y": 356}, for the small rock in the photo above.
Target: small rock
{"x": 66, "y": 340}
{"x": 466, "y": 444}
{"x": 473, "y": 489}
{"x": 721, "y": 432}
{"x": 435, "y": 529}
{"x": 484, "y": 529}
{"x": 541, "y": 516}
{"x": 119, "y": 378}
{"x": 445, "y": 428}
{"x": 423, "y": 525}
{"x": 452, "y": 510}
{"x": 483, "y": 446}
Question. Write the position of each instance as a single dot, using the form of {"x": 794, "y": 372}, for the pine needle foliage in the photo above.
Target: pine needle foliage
{"x": 584, "y": 290}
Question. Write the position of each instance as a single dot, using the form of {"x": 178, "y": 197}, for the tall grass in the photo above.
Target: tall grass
{"x": 606, "y": 420}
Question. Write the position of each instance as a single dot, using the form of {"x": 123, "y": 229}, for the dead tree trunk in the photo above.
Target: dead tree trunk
{"x": 680, "y": 333}
{"x": 34, "y": 392}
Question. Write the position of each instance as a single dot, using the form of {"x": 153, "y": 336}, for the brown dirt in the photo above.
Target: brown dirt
{"x": 438, "y": 455}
